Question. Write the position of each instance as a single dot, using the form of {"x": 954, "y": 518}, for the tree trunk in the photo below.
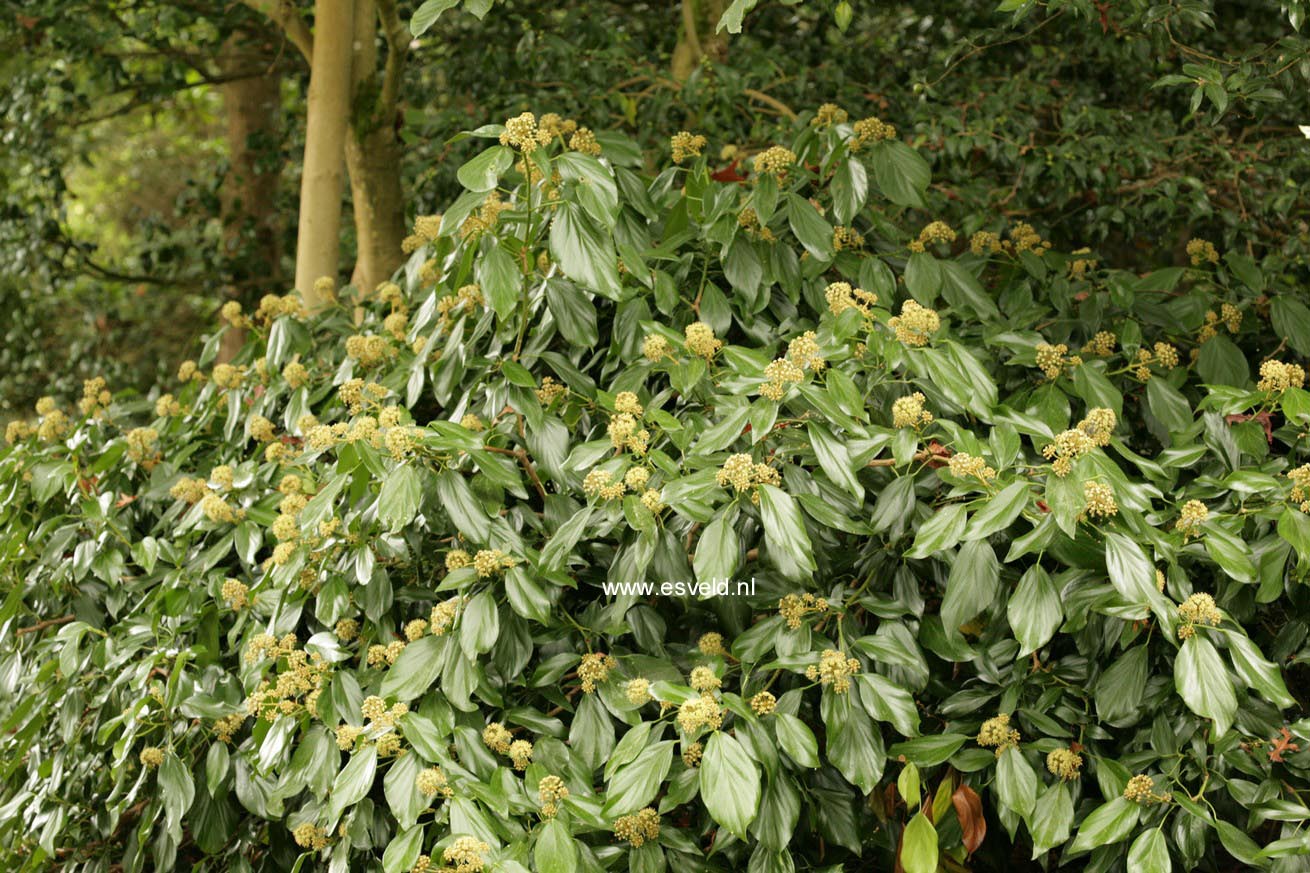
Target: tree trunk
{"x": 697, "y": 37}
{"x": 252, "y": 105}
{"x": 373, "y": 156}
{"x": 319, "y": 228}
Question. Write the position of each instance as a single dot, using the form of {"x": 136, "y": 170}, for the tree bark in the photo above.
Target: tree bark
{"x": 697, "y": 37}
{"x": 319, "y": 227}
{"x": 252, "y": 104}
{"x": 373, "y": 148}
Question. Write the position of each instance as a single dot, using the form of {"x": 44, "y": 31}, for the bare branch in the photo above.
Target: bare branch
{"x": 285, "y": 15}
{"x": 397, "y": 37}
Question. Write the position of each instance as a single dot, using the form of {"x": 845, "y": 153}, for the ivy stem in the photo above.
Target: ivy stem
{"x": 527, "y": 266}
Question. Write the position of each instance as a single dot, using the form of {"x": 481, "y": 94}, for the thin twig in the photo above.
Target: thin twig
{"x": 42, "y": 625}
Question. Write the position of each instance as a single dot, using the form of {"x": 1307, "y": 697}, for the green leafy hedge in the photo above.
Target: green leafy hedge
{"x": 1026, "y": 533}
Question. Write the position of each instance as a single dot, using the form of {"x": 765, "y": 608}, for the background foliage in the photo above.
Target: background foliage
{"x": 1076, "y": 117}
{"x": 1022, "y": 489}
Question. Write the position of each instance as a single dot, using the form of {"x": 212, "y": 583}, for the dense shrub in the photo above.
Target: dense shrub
{"x": 1027, "y": 533}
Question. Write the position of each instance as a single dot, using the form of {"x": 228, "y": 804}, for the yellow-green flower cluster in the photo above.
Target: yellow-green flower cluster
{"x": 496, "y": 736}
{"x": 486, "y": 218}
{"x": 167, "y": 406}
{"x": 489, "y": 562}
{"x": 271, "y": 306}
{"x": 841, "y": 297}
{"x": 827, "y": 115}
{"x": 1141, "y": 790}
{"x": 550, "y": 390}
{"x": 601, "y": 483}
{"x": 870, "y": 130}
{"x": 749, "y": 220}
{"x": 775, "y": 161}
{"x": 552, "y": 125}
{"x": 54, "y": 422}
{"x": 465, "y": 853}
{"x": 432, "y": 781}
{"x": 521, "y": 133}
{"x": 231, "y": 313}
{"x": 846, "y": 239}
{"x": 834, "y": 670}
{"x": 1082, "y": 263}
{"x": 1098, "y": 500}
{"x": 1101, "y": 345}
{"x": 584, "y": 141}
{"x": 701, "y": 340}
{"x": 385, "y": 654}
{"x": 550, "y": 791}
{"x": 369, "y": 350}
{"x": 1300, "y": 486}
{"x": 916, "y": 324}
{"x": 637, "y": 691}
{"x": 967, "y": 466}
{"x": 934, "y": 233}
{"x": 686, "y": 145}
{"x": 17, "y": 431}
{"x": 218, "y": 510}
{"x": 778, "y": 375}
{"x": 1161, "y": 355}
{"x": 1191, "y": 517}
{"x": 700, "y": 712}
{"x": 711, "y": 644}
{"x": 908, "y": 411}
{"x": 152, "y": 757}
{"x": 1070, "y": 445}
{"x": 227, "y": 727}
{"x": 141, "y": 444}
{"x": 1197, "y": 609}
{"x": 996, "y": 733}
{"x": 764, "y": 703}
{"x": 443, "y": 616}
{"x": 1229, "y": 316}
{"x": 1277, "y": 376}
{"x": 594, "y": 669}
{"x": 794, "y": 607}
{"x": 309, "y": 836}
{"x": 1065, "y": 763}
{"x": 625, "y": 431}
{"x": 639, "y": 828}
{"x": 236, "y": 594}
{"x": 95, "y": 396}
{"x": 228, "y": 376}
{"x": 742, "y": 473}
{"x": 655, "y": 347}
{"x": 426, "y": 229}
{"x": 704, "y": 679}
{"x": 1025, "y": 239}
{"x": 1202, "y": 251}
{"x": 984, "y": 242}
{"x": 1051, "y": 359}
{"x": 294, "y": 689}
{"x": 415, "y": 629}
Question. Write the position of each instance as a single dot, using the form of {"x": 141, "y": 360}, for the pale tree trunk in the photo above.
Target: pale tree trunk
{"x": 252, "y": 105}
{"x": 319, "y": 227}
{"x": 697, "y": 37}
{"x": 373, "y": 149}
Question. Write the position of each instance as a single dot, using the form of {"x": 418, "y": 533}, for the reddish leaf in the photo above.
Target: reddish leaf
{"x": 1264, "y": 418}
{"x": 1283, "y": 744}
{"x": 968, "y": 806}
{"x": 728, "y": 174}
